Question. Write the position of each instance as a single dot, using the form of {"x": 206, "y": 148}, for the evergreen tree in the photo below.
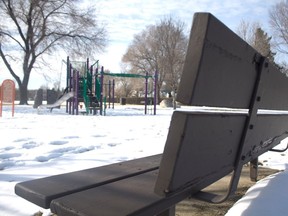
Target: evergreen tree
{"x": 262, "y": 43}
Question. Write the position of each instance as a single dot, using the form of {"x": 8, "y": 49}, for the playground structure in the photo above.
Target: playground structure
{"x": 58, "y": 102}
{"x": 87, "y": 84}
{"x": 7, "y": 95}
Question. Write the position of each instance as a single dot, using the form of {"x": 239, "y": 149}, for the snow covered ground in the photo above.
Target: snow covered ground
{"x": 36, "y": 144}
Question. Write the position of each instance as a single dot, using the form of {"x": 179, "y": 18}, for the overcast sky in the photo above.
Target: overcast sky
{"x": 125, "y": 18}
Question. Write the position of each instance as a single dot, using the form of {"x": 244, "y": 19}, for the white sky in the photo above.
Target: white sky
{"x": 126, "y": 18}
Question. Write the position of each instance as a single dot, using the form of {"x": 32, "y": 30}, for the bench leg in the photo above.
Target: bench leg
{"x": 254, "y": 170}
{"x": 168, "y": 212}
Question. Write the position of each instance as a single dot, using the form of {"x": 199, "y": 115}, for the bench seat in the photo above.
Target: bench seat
{"x": 124, "y": 197}
{"x": 68, "y": 183}
{"x": 131, "y": 196}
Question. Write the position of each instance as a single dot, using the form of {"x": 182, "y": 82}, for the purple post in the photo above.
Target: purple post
{"x": 146, "y": 92}
{"x": 92, "y": 80}
{"x": 155, "y": 90}
{"x": 77, "y": 93}
{"x": 113, "y": 93}
{"x": 109, "y": 93}
{"x": 74, "y": 89}
{"x": 95, "y": 82}
{"x": 101, "y": 89}
{"x": 87, "y": 65}
{"x": 68, "y": 77}
{"x": 86, "y": 74}
{"x": 70, "y": 86}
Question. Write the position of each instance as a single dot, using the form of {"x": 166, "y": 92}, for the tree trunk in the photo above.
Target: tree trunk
{"x": 23, "y": 87}
{"x": 158, "y": 97}
{"x": 23, "y": 94}
{"x": 174, "y": 102}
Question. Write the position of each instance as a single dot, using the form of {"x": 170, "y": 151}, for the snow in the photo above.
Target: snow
{"x": 268, "y": 196}
{"x": 37, "y": 143}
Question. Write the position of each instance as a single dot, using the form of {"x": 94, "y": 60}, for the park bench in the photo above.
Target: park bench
{"x": 246, "y": 118}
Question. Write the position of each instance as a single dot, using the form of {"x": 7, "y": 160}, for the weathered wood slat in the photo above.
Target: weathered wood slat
{"x": 218, "y": 69}
{"x": 121, "y": 197}
{"x": 42, "y": 191}
{"x": 269, "y": 131}
{"x": 132, "y": 196}
{"x": 274, "y": 91}
{"x": 200, "y": 149}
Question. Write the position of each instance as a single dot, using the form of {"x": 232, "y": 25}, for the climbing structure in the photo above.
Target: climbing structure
{"x": 85, "y": 85}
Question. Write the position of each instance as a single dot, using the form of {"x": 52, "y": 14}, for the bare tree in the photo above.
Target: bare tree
{"x": 279, "y": 24}
{"x": 254, "y": 35}
{"x": 124, "y": 87}
{"x": 246, "y": 30}
{"x": 32, "y": 28}
{"x": 162, "y": 48}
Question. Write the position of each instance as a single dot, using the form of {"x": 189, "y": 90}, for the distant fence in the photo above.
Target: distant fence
{"x": 136, "y": 101}
{"x": 7, "y": 94}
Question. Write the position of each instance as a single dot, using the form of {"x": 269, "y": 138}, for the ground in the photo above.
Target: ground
{"x": 192, "y": 207}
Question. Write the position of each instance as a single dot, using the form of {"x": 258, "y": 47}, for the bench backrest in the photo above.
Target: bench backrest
{"x": 221, "y": 70}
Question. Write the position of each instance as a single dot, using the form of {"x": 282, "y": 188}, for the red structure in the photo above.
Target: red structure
{"x": 7, "y": 94}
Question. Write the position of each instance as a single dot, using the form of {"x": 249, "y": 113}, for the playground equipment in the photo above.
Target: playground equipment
{"x": 87, "y": 85}
{"x": 7, "y": 94}
{"x": 52, "y": 98}
{"x": 146, "y": 77}
{"x": 58, "y": 103}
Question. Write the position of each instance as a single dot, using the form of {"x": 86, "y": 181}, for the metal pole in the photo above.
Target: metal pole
{"x": 88, "y": 78}
{"x": 113, "y": 93}
{"x": 155, "y": 91}
{"x": 109, "y": 93}
{"x": 146, "y": 92}
{"x": 101, "y": 91}
{"x": 67, "y": 80}
{"x": 77, "y": 93}
{"x": 74, "y": 90}
{"x": 92, "y": 79}
{"x": 70, "y": 86}
{"x": 95, "y": 85}
{"x": 87, "y": 65}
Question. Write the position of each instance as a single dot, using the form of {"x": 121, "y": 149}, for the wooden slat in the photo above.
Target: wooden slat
{"x": 42, "y": 191}
{"x": 266, "y": 134}
{"x": 275, "y": 88}
{"x": 219, "y": 69}
{"x": 118, "y": 198}
{"x": 132, "y": 196}
{"x": 200, "y": 148}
